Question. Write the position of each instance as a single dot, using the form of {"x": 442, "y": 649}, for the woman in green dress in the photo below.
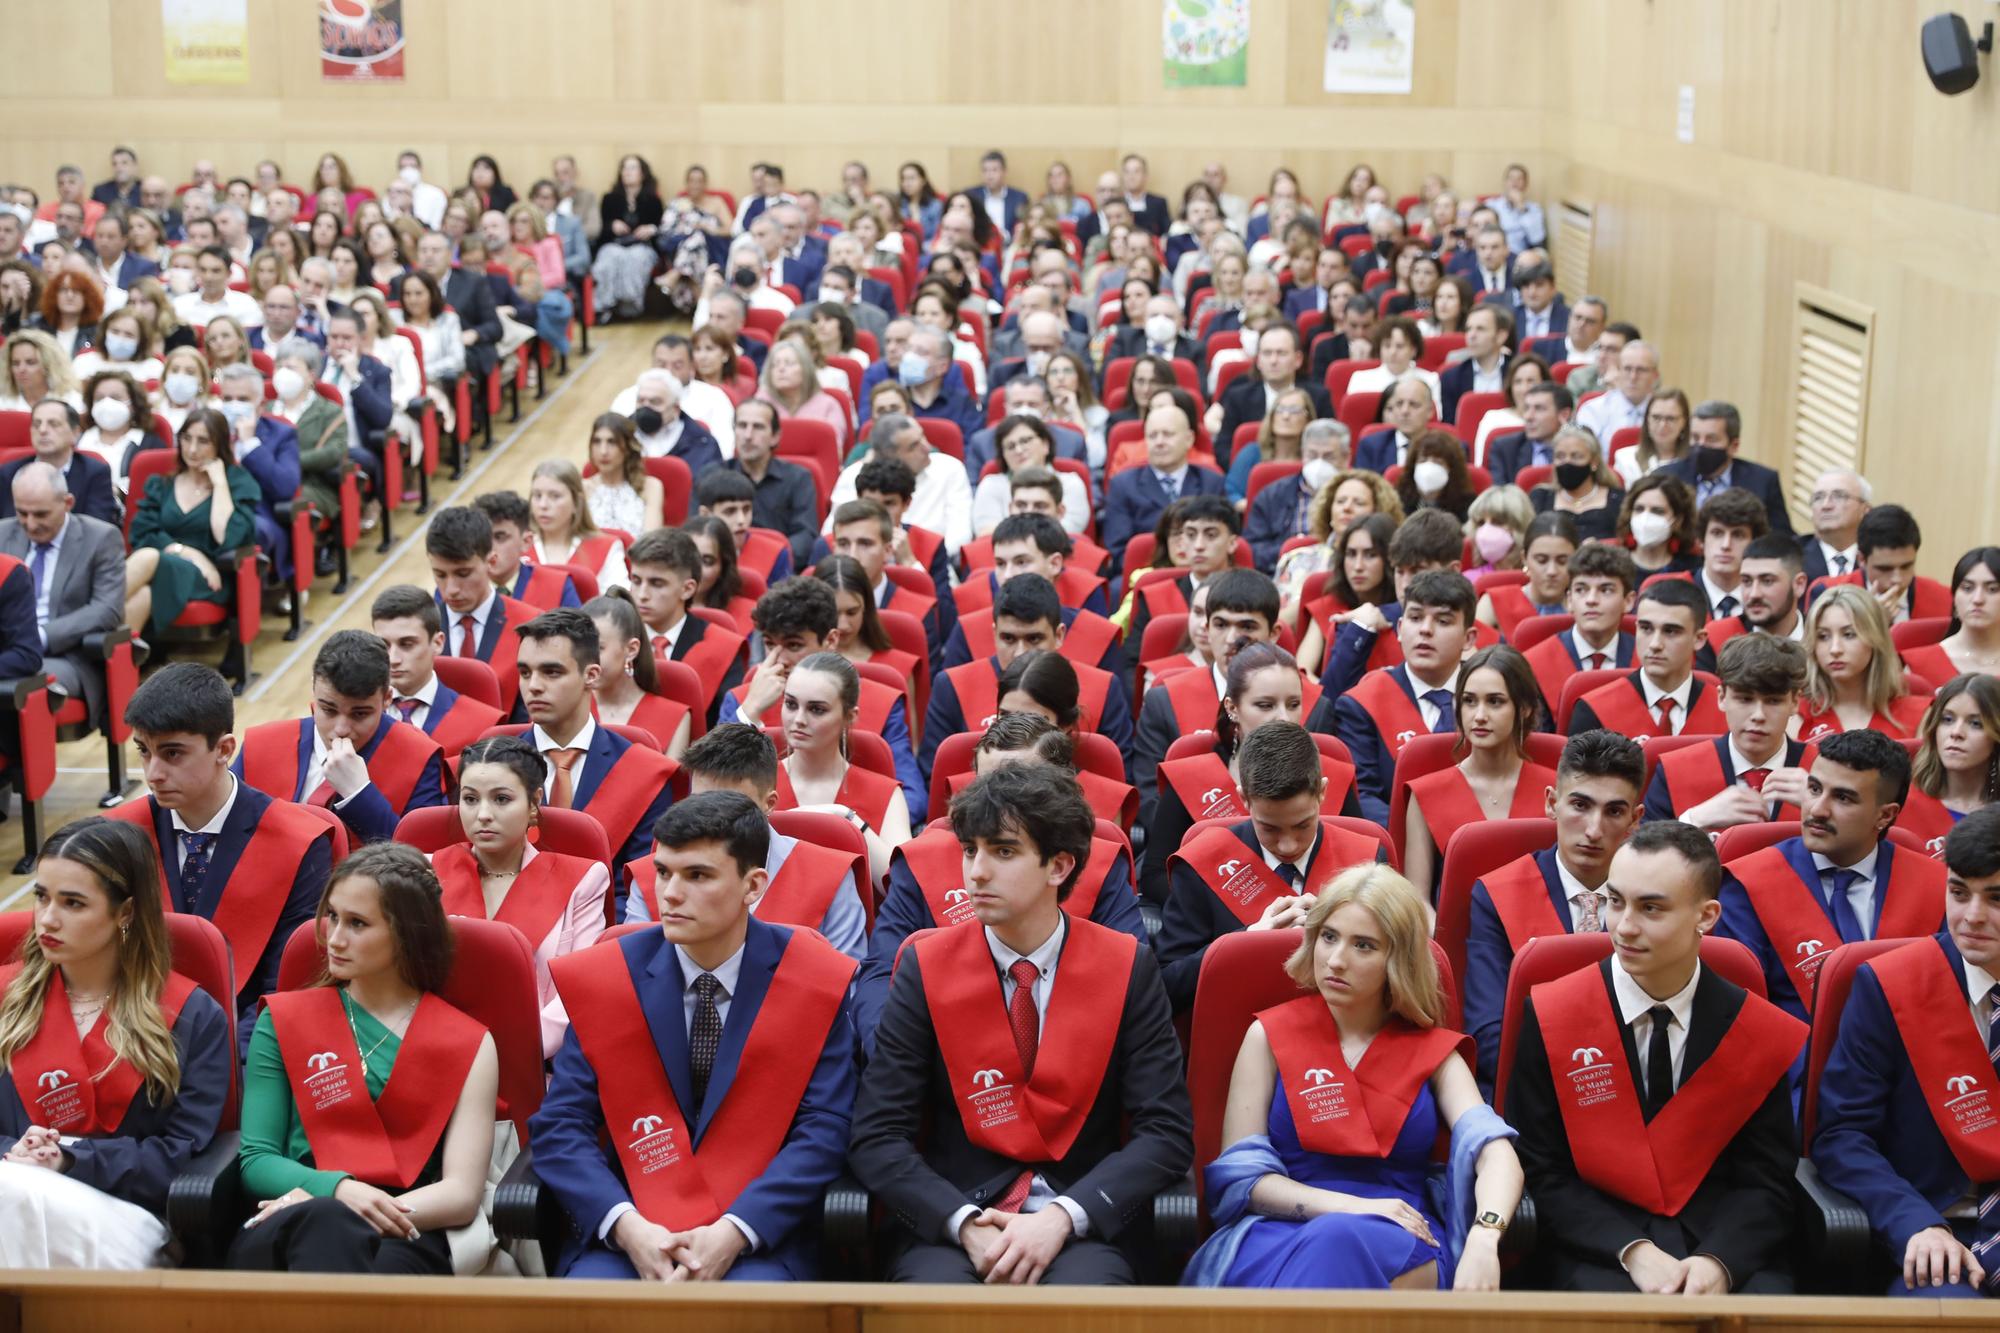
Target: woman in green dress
{"x": 185, "y": 522}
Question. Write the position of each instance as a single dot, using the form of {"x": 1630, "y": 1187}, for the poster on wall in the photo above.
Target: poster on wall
{"x": 208, "y": 41}
{"x": 1370, "y": 45}
{"x": 361, "y": 41}
{"x": 1206, "y": 43}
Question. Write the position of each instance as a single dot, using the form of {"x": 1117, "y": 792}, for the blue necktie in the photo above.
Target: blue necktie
{"x": 1170, "y": 486}
{"x": 1290, "y": 874}
{"x": 194, "y": 868}
{"x": 1447, "y": 716}
{"x": 1837, "y": 905}
{"x": 38, "y": 566}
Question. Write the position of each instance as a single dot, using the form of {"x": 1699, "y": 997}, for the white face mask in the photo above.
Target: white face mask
{"x": 1250, "y": 343}
{"x": 180, "y": 387}
{"x": 111, "y": 415}
{"x": 1038, "y": 363}
{"x": 410, "y": 176}
{"x": 1430, "y": 476}
{"x": 829, "y": 296}
{"x": 1649, "y": 529}
{"x": 288, "y": 382}
{"x": 1317, "y": 472}
{"x": 1160, "y": 329}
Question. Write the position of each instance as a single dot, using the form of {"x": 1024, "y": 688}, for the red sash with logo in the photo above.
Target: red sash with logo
{"x": 1359, "y": 1111}
{"x": 1207, "y": 791}
{"x": 761, "y": 551}
{"x": 1520, "y": 898}
{"x": 1394, "y": 712}
{"x": 1195, "y": 702}
{"x": 1945, "y": 1052}
{"x": 534, "y": 903}
{"x": 1656, "y": 1166}
{"x": 1552, "y": 664}
{"x": 259, "y": 885}
{"x": 1107, "y": 797}
{"x": 1026, "y": 1119}
{"x": 1621, "y": 707}
{"x": 924, "y": 544}
{"x": 1449, "y": 803}
{"x": 387, "y": 1141}
{"x": 1323, "y": 609}
{"x": 1926, "y": 816}
{"x": 647, "y": 1125}
{"x": 465, "y": 722}
{"x": 1794, "y": 918}
{"x": 1087, "y": 639}
{"x": 79, "y": 1085}
{"x": 1905, "y": 716}
{"x": 1694, "y": 774}
{"x": 1237, "y": 876}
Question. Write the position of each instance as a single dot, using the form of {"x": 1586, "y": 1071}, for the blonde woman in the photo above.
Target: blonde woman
{"x": 184, "y": 386}
{"x": 565, "y": 533}
{"x": 225, "y": 343}
{"x": 36, "y": 367}
{"x": 1957, "y": 765}
{"x": 1338, "y": 1201}
{"x": 1352, "y": 495}
{"x": 1854, "y": 680}
{"x": 1498, "y": 523}
{"x": 791, "y": 385}
{"x": 1583, "y": 487}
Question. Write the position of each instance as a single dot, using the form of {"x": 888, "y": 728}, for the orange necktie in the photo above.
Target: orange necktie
{"x": 564, "y": 760}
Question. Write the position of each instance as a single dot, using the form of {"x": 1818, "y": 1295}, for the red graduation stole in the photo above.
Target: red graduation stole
{"x": 924, "y": 545}
{"x": 646, "y": 1124}
{"x": 1449, "y": 803}
{"x": 710, "y": 656}
{"x": 1510, "y": 607}
{"x": 761, "y": 551}
{"x": 1931, "y": 662}
{"x": 506, "y": 645}
{"x": 1905, "y": 716}
{"x": 1388, "y": 650}
{"x": 802, "y": 890}
{"x": 622, "y": 796}
{"x": 1359, "y": 1111}
{"x": 466, "y": 722}
{"x": 590, "y": 552}
{"x": 1394, "y": 712}
{"x": 79, "y": 1085}
{"x": 254, "y": 898}
{"x": 1945, "y": 1052}
{"x": 1794, "y": 916}
{"x": 1207, "y": 791}
{"x": 1520, "y": 898}
{"x": 1087, "y": 639}
{"x": 657, "y": 716}
{"x": 865, "y": 793}
{"x": 1656, "y": 1166}
{"x": 1620, "y": 706}
{"x": 1553, "y": 665}
{"x": 534, "y": 903}
{"x": 1162, "y": 594}
{"x": 1195, "y": 703}
{"x": 544, "y": 588}
{"x": 1026, "y": 1119}
{"x": 1236, "y": 873}
{"x": 1073, "y": 588}
{"x": 1926, "y": 816}
{"x": 271, "y": 761}
{"x": 1694, "y": 773}
{"x": 1927, "y": 598}
{"x": 385, "y": 1141}
{"x": 1719, "y": 632}
{"x": 1323, "y": 609}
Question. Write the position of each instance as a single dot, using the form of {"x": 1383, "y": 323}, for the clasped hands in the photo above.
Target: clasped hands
{"x": 699, "y": 1254}
{"x": 38, "y": 1146}
{"x": 1015, "y": 1248}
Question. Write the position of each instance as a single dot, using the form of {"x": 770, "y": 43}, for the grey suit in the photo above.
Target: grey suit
{"x": 86, "y": 596}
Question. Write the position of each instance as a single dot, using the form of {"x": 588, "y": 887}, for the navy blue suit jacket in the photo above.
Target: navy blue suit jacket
{"x": 274, "y": 463}
{"x": 1488, "y": 960}
{"x": 879, "y": 294}
{"x": 372, "y": 404}
{"x": 607, "y": 747}
{"x": 1454, "y": 382}
{"x": 780, "y": 1204}
{"x": 369, "y": 816}
{"x": 1268, "y": 525}
{"x": 1558, "y": 318}
{"x": 1133, "y": 502}
{"x": 1507, "y": 455}
{"x": 696, "y": 447}
{"x": 89, "y": 481}
{"x": 20, "y": 637}
{"x": 1755, "y": 478}
{"x": 1376, "y": 449}
{"x": 522, "y": 576}
{"x": 1374, "y": 766}
{"x": 131, "y": 268}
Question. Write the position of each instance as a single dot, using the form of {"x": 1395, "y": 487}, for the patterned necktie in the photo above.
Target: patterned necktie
{"x": 1989, "y": 1202}
{"x": 1659, "y": 1061}
{"x": 704, "y": 1035}
{"x": 1839, "y": 564}
{"x": 564, "y": 760}
{"x": 1585, "y": 908}
{"x": 1839, "y": 907}
{"x": 1171, "y": 487}
{"x": 194, "y": 867}
{"x": 408, "y": 708}
{"x": 1447, "y": 719}
{"x": 1025, "y": 1020}
{"x": 1665, "y": 708}
{"x": 468, "y": 637}
{"x": 1726, "y": 607}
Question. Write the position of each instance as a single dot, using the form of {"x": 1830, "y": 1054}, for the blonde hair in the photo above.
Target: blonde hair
{"x": 164, "y": 323}
{"x": 1505, "y": 504}
{"x": 808, "y": 383}
{"x": 55, "y": 364}
{"x": 561, "y": 470}
{"x": 523, "y": 209}
{"x": 242, "y": 339}
{"x": 1320, "y": 518}
{"x": 1883, "y": 682}
{"x": 1416, "y": 992}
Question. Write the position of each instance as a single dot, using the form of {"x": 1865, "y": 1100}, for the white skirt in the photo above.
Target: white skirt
{"x": 48, "y": 1220}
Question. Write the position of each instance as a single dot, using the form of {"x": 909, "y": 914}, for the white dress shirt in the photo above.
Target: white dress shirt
{"x": 1681, "y": 695}
{"x": 1613, "y": 412}
{"x": 213, "y": 827}
{"x": 1861, "y": 893}
{"x": 316, "y": 771}
{"x": 1429, "y": 711}
{"x": 1716, "y": 593}
{"x": 547, "y": 744}
{"x": 1633, "y": 1011}
{"x": 942, "y": 502}
{"x": 1271, "y": 862}
{"x": 426, "y": 696}
{"x": 453, "y": 635}
{"x": 1582, "y": 648}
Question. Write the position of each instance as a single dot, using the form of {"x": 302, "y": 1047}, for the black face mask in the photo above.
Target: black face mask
{"x": 648, "y": 420}
{"x": 746, "y": 278}
{"x": 1572, "y": 476}
{"x": 1709, "y": 460}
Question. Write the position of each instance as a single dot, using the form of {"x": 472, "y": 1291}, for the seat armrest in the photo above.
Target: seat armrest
{"x": 19, "y": 692}
{"x": 1176, "y": 1232}
{"x": 526, "y": 1209}
{"x": 1518, "y": 1241}
{"x": 1833, "y": 1236}
{"x": 847, "y": 1231}
{"x": 205, "y": 1202}
{"x": 100, "y": 644}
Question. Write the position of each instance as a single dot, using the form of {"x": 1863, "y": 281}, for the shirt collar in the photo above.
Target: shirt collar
{"x": 1978, "y": 980}
{"x": 1715, "y": 591}
{"x": 1633, "y": 1001}
{"x": 1852, "y": 551}
{"x": 1680, "y": 694}
{"x": 1583, "y": 649}
{"x": 54, "y": 543}
{"x": 1571, "y": 885}
{"x": 1742, "y": 762}
{"x": 1864, "y": 868}
{"x": 427, "y": 696}
{"x": 727, "y": 973}
{"x": 582, "y": 740}
{"x": 480, "y": 614}
{"x": 1044, "y": 956}
{"x": 1299, "y": 865}
{"x": 214, "y": 826}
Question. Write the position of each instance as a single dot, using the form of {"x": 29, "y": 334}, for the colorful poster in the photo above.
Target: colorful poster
{"x": 1370, "y": 45}
{"x": 208, "y": 41}
{"x": 1206, "y": 43}
{"x": 361, "y": 41}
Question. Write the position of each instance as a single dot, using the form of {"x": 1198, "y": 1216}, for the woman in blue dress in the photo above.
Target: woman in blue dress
{"x": 1333, "y": 1115}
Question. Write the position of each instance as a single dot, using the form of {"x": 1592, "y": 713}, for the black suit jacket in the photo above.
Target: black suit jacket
{"x": 1455, "y": 382}
{"x": 1325, "y": 352}
{"x": 1755, "y": 478}
{"x": 471, "y": 296}
{"x": 88, "y": 478}
{"x": 1130, "y": 340}
{"x": 1136, "y": 1142}
{"x": 1244, "y": 401}
{"x": 1507, "y": 455}
{"x": 1741, "y": 1214}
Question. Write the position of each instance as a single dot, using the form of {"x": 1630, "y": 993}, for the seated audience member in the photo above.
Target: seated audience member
{"x": 480, "y": 619}
{"x": 1886, "y": 542}
{"x": 1728, "y": 522}
{"x": 1205, "y": 536}
{"x": 1496, "y": 708}
{"x": 1854, "y": 679}
{"x": 666, "y": 569}
{"x": 1635, "y": 375}
{"x": 1399, "y": 345}
{"x": 783, "y": 499}
{"x": 213, "y": 296}
{"x": 406, "y": 619}
{"x": 1091, "y": 637}
{"x": 941, "y": 499}
{"x": 1547, "y": 547}
{"x": 409, "y": 1199}
{"x": 1663, "y": 437}
{"x": 1656, "y": 522}
{"x": 732, "y": 498}
{"x": 1581, "y": 485}
{"x": 822, "y": 694}
{"x": 320, "y": 432}
{"x": 1892, "y": 1132}
{"x": 1359, "y": 575}
{"x": 1752, "y": 774}
{"x": 1841, "y": 880}
{"x": 797, "y": 619}
{"x": 620, "y": 493}
{"x": 1973, "y": 643}
{"x": 789, "y": 386}
{"x": 1957, "y": 765}
{"x": 1025, "y": 442}
{"x": 763, "y": 1017}
{"x": 556, "y": 901}
{"x": 1660, "y": 696}
{"x": 627, "y": 693}
{"x": 1772, "y": 584}
{"x": 889, "y": 482}
{"x": 1024, "y": 396}
{"x": 1840, "y": 500}
{"x": 809, "y": 885}
{"x": 1045, "y": 1192}
{"x": 1379, "y": 715}
{"x": 564, "y": 533}
{"x": 1489, "y": 332}
{"x": 664, "y": 427}
{"x": 75, "y": 568}
{"x": 268, "y": 448}
{"x": 1545, "y": 410}
{"x": 1260, "y": 873}
{"x": 1135, "y": 498}
{"x": 120, "y": 422}
{"x": 1283, "y": 509}
{"x": 861, "y": 636}
{"x": 1703, "y": 1205}
{"x": 1602, "y": 582}
{"x": 1712, "y": 465}
{"x": 351, "y": 755}
{"x": 1033, "y": 543}
{"x": 1558, "y": 890}
{"x": 54, "y": 429}
{"x": 721, "y": 587}
{"x": 542, "y": 587}
{"x": 91, "y": 1156}
{"x": 185, "y": 521}
{"x": 1426, "y": 541}
{"x": 863, "y": 531}
{"x": 1307, "y": 1192}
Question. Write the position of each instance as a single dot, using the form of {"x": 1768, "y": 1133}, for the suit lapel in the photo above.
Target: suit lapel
{"x": 441, "y": 705}
{"x": 1709, "y": 1017}
{"x": 606, "y": 747}
{"x": 242, "y": 822}
{"x": 692, "y": 628}
{"x": 661, "y": 1000}
{"x": 305, "y": 747}
{"x": 169, "y": 844}
{"x": 761, "y": 952}
{"x": 496, "y": 625}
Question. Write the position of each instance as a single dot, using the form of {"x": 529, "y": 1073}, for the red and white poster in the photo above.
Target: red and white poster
{"x": 361, "y": 41}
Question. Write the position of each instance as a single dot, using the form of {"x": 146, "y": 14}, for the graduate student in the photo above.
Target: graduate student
{"x": 406, "y": 619}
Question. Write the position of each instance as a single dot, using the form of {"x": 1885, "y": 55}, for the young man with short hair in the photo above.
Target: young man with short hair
{"x": 1033, "y": 1176}
{"x": 1427, "y": 540}
{"x": 732, "y": 497}
{"x": 1662, "y": 696}
{"x": 351, "y": 755}
{"x": 863, "y": 531}
{"x": 1037, "y": 490}
{"x": 665, "y": 565}
{"x": 1773, "y": 588}
{"x": 1032, "y": 544}
{"x": 1260, "y": 873}
{"x": 543, "y": 587}
{"x": 252, "y": 865}
{"x": 808, "y": 885}
{"x": 479, "y": 619}
{"x": 1887, "y": 541}
{"x": 1602, "y": 579}
{"x": 1729, "y": 521}
{"x": 1558, "y": 890}
{"x": 889, "y": 482}
{"x": 1652, "y": 1097}
{"x": 406, "y": 619}
{"x": 783, "y": 499}
{"x": 719, "y": 1045}
{"x": 1207, "y": 530}
{"x": 1742, "y": 777}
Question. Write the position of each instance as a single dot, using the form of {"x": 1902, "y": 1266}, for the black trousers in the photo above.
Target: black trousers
{"x": 326, "y": 1236}
{"x": 1082, "y": 1263}
{"x": 1575, "y": 1275}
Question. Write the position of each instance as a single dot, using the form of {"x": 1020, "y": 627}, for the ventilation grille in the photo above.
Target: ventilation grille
{"x": 1574, "y": 227}
{"x": 1831, "y": 355}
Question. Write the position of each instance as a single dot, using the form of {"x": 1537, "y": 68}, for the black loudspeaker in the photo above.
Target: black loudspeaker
{"x": 1951, "y": 57}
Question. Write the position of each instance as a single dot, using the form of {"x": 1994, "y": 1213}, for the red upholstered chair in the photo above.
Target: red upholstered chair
{"x": 568, "y": 832}
{"x": 1910, "y": 634}
{"x": 1471, "y": 408}
{"x": 334, "y": 827}
{"x": 864, "y": 748}
{"x": 1479, "y": 850}
{"x": 584, "y": 580}
{"x": 906, "y": 634}
{"x": 1533, "y": 629}
{"x": 800, "y": 439}
{"x": 14, "y": 431}
{"x": 1358, "y": 412}
{"x": 1535, "y": 474}
{"x": 1548, "y": 957}
{"x": 468, "y": 676}
{"x": 1429, "y": 754}
{"x": 1836, "y": 979}
{"x": 680, "y": 682}
{"x": 1438, "y": 349}
{"x": 1582, "y": 683}
{"x": 1735, "y": 843}
{"x": 834, "y": 833}
{"x": 1500, "y": 578}
{"x": 953, "y": 757}
{"x": 677, "y": 482}
{"x": 1351, "y": 823}
{"x": 1666, "y": 745}
{"x": 1196, "y": 742}
{"x": 1341, "y": 372}
{"x": 1264, "y": 474}
{"x": 944, "y": 435}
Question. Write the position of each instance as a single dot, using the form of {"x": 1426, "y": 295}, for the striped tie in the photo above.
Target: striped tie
{"x": 1989, "y": 1203}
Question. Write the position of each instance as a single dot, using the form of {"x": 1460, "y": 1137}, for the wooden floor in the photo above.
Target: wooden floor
{"x": 556, "y": 427}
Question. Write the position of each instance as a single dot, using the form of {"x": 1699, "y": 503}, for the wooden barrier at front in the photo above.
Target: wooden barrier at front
{"x": 208, "y": 1302}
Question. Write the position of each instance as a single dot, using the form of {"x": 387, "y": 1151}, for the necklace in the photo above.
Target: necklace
{"x": 347, "y": 1003}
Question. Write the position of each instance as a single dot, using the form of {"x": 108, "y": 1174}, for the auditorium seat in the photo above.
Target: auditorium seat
{"x": 1477, "y": 851}
{"x": 1432, "y": 754}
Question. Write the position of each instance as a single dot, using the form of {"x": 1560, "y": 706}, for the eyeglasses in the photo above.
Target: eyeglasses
{"x": 1838, "y": 497}
{"x": 1289, "y": 410}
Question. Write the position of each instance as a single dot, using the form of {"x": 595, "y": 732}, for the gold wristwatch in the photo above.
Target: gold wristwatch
{"x": 1489, "y": 1218}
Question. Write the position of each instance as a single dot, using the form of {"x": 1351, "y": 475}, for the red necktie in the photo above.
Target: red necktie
{"x": 468, "y": 638}
{"x": 1665, "y": 708}
{"x": 1597, "y": 661}
{"x": 1025, "y": 1020}
{"x": 1754, "y": 779}
{"x": 661, "y": 648}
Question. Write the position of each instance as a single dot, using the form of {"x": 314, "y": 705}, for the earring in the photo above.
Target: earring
{"x": 124, "y": 931}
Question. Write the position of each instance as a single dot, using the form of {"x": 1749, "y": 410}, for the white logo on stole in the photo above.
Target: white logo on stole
{"x": 1590, "y": 1076}
{"x": 993, "y": 1101}
{"x": 1324, "y": 1094}
{"x": 654, "y": 1147}
{"x": 1971, "y": 1109}
{"x": 52, "y": 1080}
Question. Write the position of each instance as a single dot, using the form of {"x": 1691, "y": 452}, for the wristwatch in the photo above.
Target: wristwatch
{"x": 1489, "y": 1218}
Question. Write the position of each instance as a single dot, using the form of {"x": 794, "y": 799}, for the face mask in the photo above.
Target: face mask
{"x": 1317, "y": 473}
{"x": 1160, "y": 330}
{"x": 120, "y": 346}
{"x": 1249, "y": 338}
{"x": 1651, "y": 529}
{"x": 913, "y": 369}
{"x": 288, "y": 382}
{"x": 648, "y": 420}
{"x": 1430, "y": 476}
{"x": 410, "y": 176}
{"x": 110, "y": 415}
{"x": 828, "y": 296}
{"x": 1709, "y": 460}
{"x": 237, "y": 412}
{"x": 180, "y": 387}
{"x": 1492, "y": 542}
{"x": 180, "y": 281}
{"x": 1572, "y": 476}
{"x": 746, "y": 278}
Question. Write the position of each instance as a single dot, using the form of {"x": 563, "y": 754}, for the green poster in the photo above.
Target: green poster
{"x": 1205, "y": 43}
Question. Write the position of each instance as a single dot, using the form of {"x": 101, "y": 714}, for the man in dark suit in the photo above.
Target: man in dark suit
{"x": 1160, "y": 334}
{"x": 1545, "y": 409}
{"x": 116, "y": 267}
{"x": 470, "y": 295}
{"x": 1134, "y": 499}
{"x": 268, "y": 448}
{"x": 53, "y": 429}
{"x": 1711, "y": 463}
{"x": 801, "y": 254}
{"x": 480, "y": 620}
{"x": 1577, "y": 343}
{"x": 76, "y": 566}
{"x": 122, "y": 190}
{"x": 1407, "y": 411}
{"x": 1489, "y": 265}
{"x": 666, "y": 430}
{"x": 1539, "y": 311}
{"x": 1350, "y": 342}
{"x": 406, "y": 618}
{"x": 1890, "y": 1132}
{"x": 1489, "y": 330}
{"x": 1149, "y": 211}
{"x": 990, "y": 1173}
{"x": 1283, "y": 509}
{"x": 1280, "y": 358}
{"x": 1035, "y": 330}
{"x": 1329, "y": 267}
{"x": 365, "y": 391}
{"x": 695, "y": 1038}
{"x": 1840, "y": 501}
{"x": 1002, "y": 202}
